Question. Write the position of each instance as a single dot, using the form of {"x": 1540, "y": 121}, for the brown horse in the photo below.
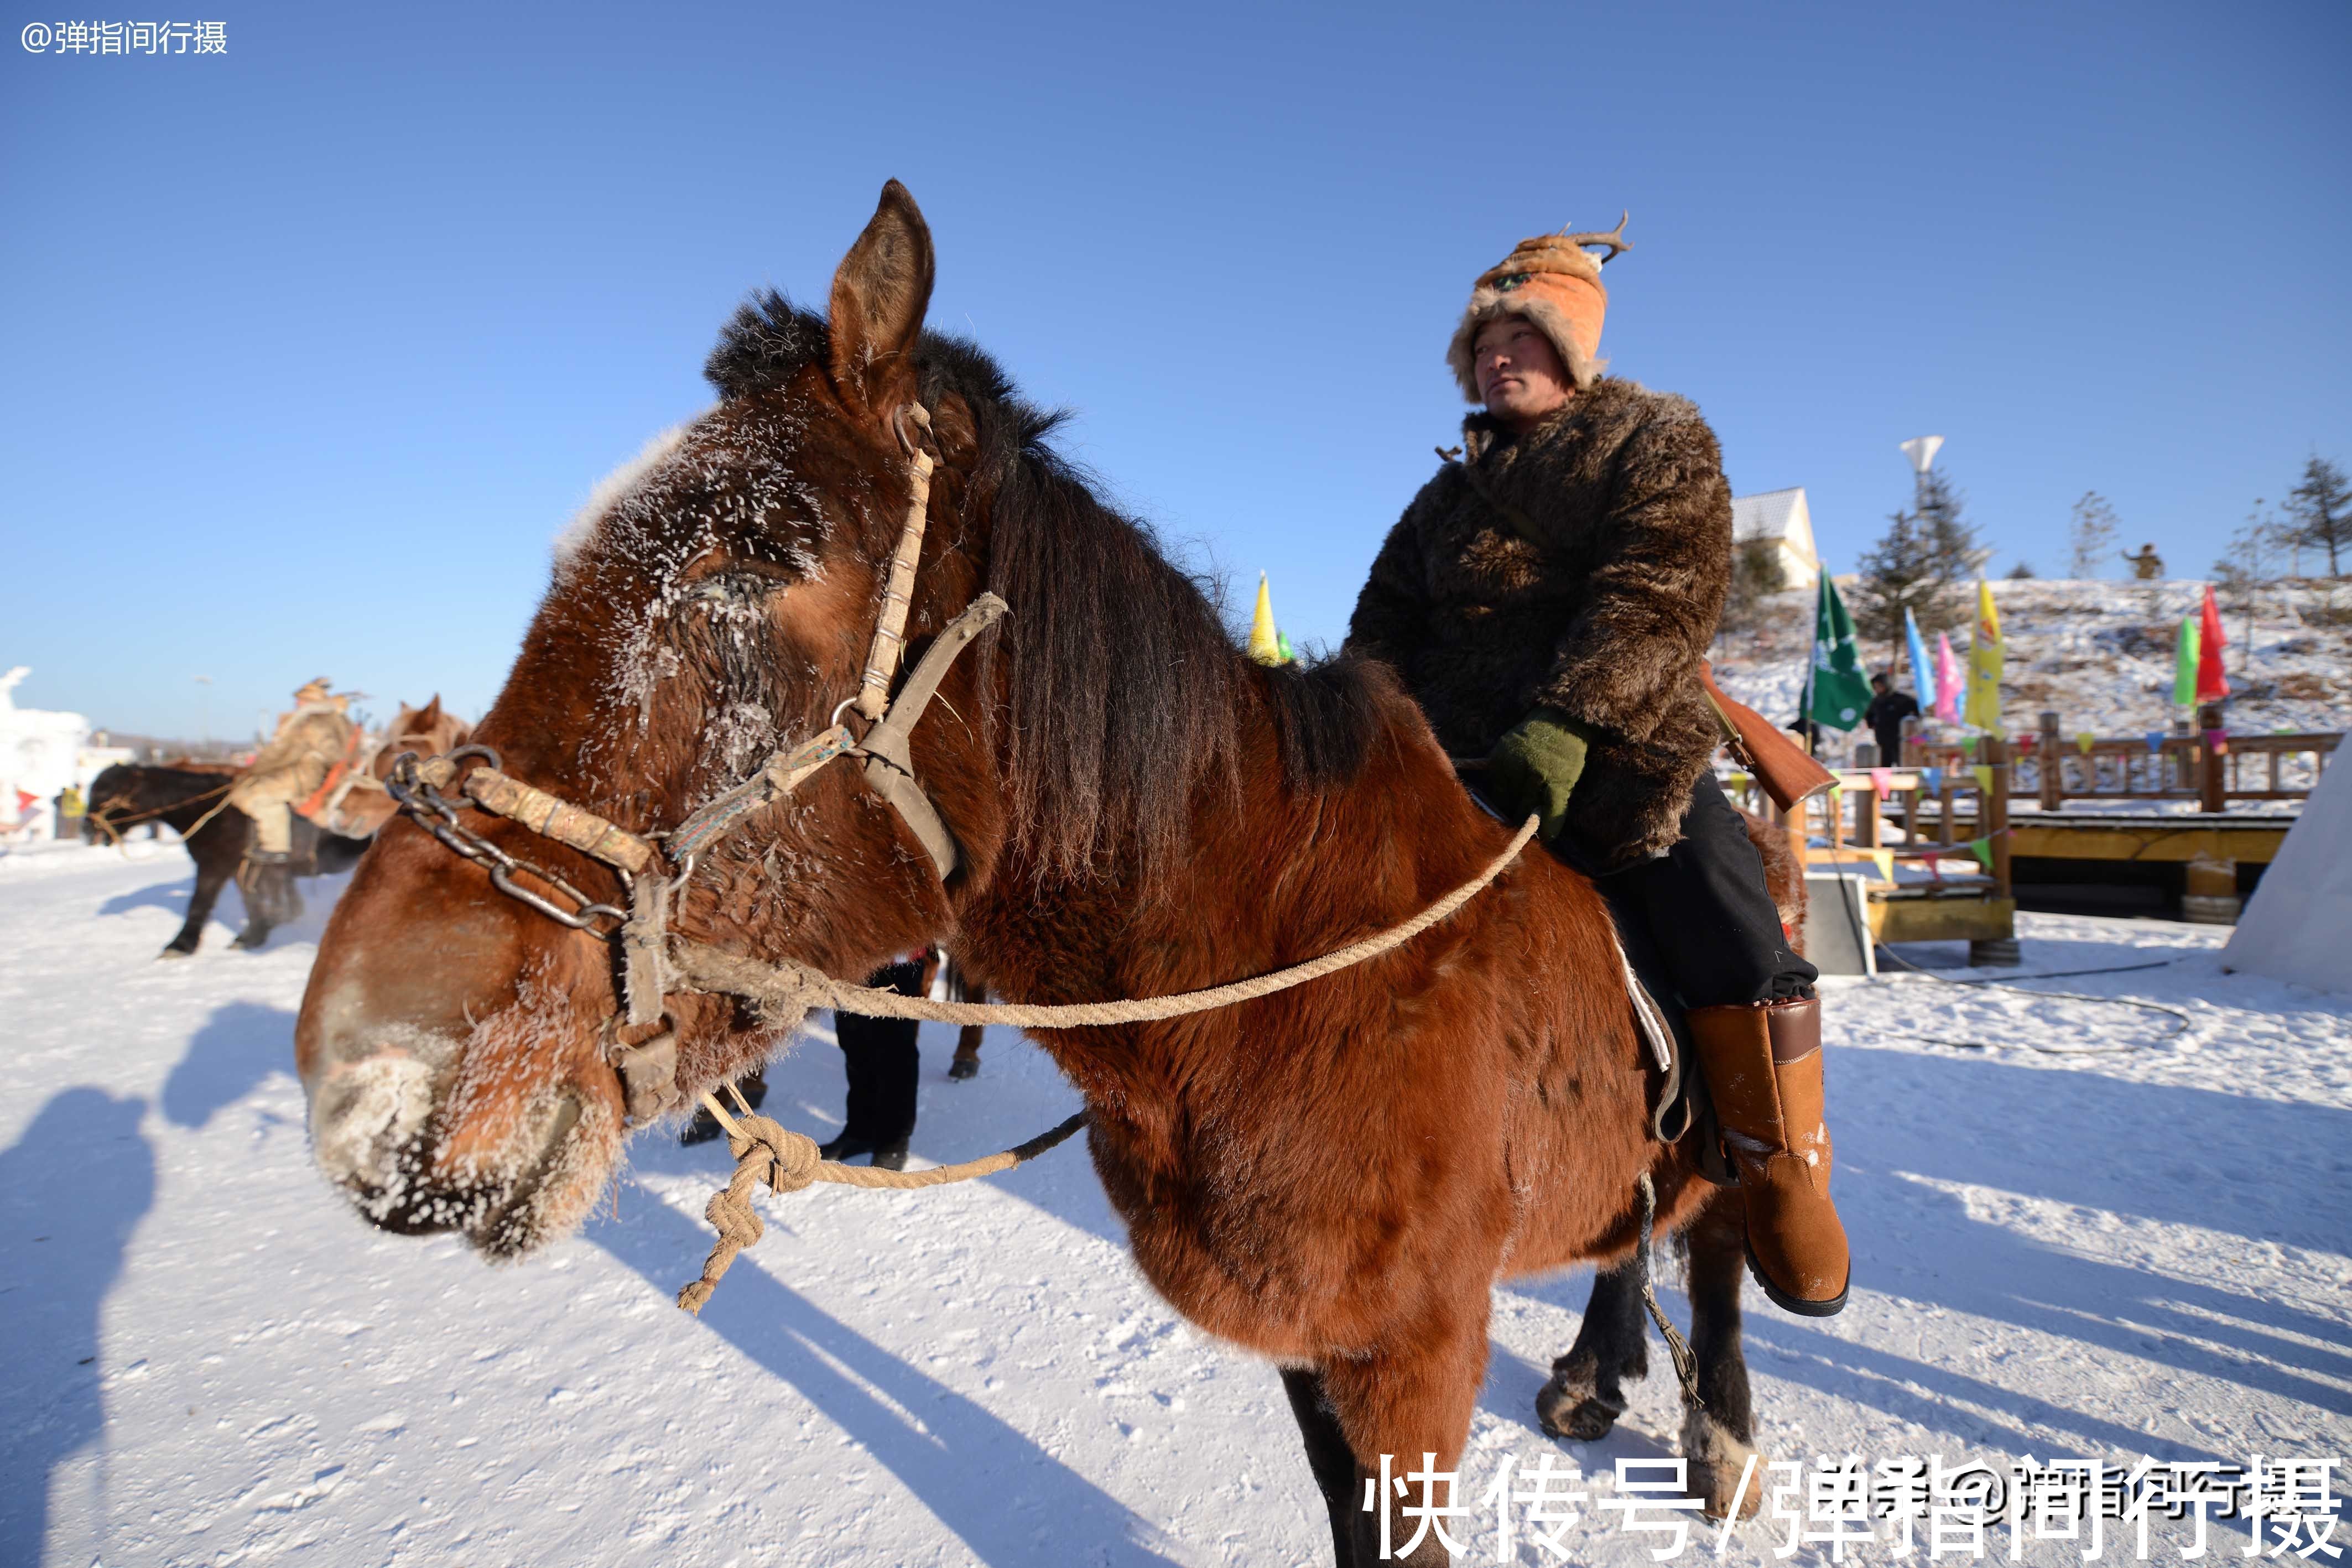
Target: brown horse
{"x": 1332, "y": 1178}
{"x": 353, "y": 803}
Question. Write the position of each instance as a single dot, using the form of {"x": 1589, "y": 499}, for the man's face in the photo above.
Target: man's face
{"x": 1520, "y": 378}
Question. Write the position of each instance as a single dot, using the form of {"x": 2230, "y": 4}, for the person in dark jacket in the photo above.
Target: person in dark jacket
{"x": 1887, "y": 710}
{"x": 884, "y": 1065}
{"x": 1548, "y": 597}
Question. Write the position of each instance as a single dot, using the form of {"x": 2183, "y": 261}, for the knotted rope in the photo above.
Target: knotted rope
{"x": 785, "y": 1161}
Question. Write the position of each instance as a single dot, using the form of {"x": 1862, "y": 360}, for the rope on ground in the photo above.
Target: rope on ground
{"x": 790, "y": 989}
{"x": 2185, "y": 1023}
{"x": 2182, "y": 1024}
{"x": 785, "y": 1161}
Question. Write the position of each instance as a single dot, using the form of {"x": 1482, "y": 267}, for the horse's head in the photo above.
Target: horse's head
{"x": 712, "y": 604}
{"x": 114, "y": 792}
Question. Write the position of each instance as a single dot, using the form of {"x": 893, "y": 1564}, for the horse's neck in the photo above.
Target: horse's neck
{"x": 1273, "y": 877}
{"x": 189, "y": 796}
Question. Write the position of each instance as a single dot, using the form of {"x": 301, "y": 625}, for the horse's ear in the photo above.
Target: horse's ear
{"x": 879, "y": 298}
{"x": 430, "y": 714}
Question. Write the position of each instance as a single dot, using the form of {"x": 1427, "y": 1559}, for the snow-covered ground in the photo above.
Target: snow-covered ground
{"x": 2143, "y": 1250}
{"x": 2100, "y": 656}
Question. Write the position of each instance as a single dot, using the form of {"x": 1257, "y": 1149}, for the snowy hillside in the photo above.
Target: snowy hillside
{"x": 2145, "y": 1251}
{"x": 2099, "y": 654}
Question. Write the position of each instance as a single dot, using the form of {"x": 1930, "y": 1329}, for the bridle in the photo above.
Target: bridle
{"x": 653, "y": 868}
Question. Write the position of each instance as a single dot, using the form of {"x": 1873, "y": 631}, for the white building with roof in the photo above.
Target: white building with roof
{"x": 1780, "y": 522}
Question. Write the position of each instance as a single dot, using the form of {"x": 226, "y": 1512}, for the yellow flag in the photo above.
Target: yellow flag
{"x": 1983, "y": 710}
{"x": 1265, "y": 643}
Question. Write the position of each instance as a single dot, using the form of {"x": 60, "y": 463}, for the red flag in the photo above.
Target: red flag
{"x": 2211, "y": 684}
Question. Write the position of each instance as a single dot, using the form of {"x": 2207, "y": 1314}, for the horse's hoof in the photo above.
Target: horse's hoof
{"x": 1724, "y": 1472}
{"x": 1569, "y": 1407}
{"x": 963, "y": 1067}
{"x": 250, "y": 944}
{"x": 177, "y": 953}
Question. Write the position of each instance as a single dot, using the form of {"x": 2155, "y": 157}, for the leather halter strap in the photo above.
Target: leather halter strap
{"x": 648, "y": 1068}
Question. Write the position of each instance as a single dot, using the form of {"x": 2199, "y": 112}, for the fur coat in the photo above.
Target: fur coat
{"x": 1598, "y": 598}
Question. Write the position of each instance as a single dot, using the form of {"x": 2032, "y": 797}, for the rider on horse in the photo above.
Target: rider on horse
{"x": 1548, "y": 599}
{"x": 309, "y": 742}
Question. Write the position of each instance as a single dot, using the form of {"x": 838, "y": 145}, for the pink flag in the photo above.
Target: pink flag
{"x": 1948, "y": 681}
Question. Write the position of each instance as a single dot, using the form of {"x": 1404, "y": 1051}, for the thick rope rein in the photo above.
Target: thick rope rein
{"x": 793, "y": 988}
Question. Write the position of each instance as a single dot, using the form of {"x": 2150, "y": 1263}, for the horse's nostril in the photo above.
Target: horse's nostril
{"x": 362, "y": 1113}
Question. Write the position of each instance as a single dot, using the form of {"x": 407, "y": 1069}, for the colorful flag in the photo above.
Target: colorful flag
{"x": 1933, "y": 778}
{"x": 1838, "y": 692}
{"x": 1266, "y": 644}
{"x": 2184, "y": 664}
{"x": 1984, "y": 663}
{"x": 1982, "y": 849}
{"x": 1948, "y": 681}
{"x": 1923, "y": 673}
{"x": 2213, "y": 685}
{"x": 1882, "y": 782}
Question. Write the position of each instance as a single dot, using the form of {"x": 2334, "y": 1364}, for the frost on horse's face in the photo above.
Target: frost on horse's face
{"x": 712, "y": 606}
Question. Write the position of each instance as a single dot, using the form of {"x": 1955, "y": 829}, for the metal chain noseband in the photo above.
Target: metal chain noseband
{"x": 413, "y": 787}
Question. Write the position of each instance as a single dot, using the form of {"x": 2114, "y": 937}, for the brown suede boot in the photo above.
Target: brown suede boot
{"x": 1762, "y": 1064}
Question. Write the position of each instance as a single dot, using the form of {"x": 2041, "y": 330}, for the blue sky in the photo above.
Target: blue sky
{"x": 312, "y": 347}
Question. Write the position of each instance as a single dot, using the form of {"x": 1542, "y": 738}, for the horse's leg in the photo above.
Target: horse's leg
{"x": 1587, "y": 1393}
{"x": 967, "y": 1053}
{"x": 967, "y": 1056}
{"x": 1718, "y": 1439}
{"x": 261, "y": 908}
{"x": 212, "y": 871}
{"x": 1407, "y": 1400}
{"x": 1327, "y": 1456}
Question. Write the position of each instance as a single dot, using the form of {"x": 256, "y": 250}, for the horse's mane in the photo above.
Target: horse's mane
{"x": 1126, "y": 693}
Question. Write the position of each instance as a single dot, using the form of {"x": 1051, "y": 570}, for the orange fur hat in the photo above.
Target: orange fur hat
{"x": 1555, "y": 283}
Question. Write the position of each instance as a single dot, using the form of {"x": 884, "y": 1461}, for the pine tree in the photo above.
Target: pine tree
{"x": 2320, "y": 511}
{"x": 1919, "y": 563}
{"x": 1756, "y": 575}
{"x": 2023, "y": 572}
{"x": 2092, "y": 535}
{"x": 1951, "y": 539}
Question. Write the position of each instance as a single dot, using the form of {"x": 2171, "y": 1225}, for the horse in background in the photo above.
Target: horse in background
{"x": 352, "y": 801}
{"x": 192, "y": 797}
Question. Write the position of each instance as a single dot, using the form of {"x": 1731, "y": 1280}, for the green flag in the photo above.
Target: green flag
{"x": 2184, "y": 664}
{"x": 1838, "y": 693}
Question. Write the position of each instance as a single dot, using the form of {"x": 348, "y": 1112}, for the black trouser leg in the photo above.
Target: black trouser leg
{"x": 1705, "y": 904}
{"x": 883, "y": 1066}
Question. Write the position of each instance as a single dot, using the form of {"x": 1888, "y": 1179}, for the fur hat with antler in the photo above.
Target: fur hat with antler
{"x": 1555, "y": 283}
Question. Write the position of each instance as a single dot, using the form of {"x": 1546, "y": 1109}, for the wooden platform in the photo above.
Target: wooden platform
{"x": 2146, "y": 836}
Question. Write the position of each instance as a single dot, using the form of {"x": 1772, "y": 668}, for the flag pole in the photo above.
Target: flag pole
{"x": 1812, "y": 663}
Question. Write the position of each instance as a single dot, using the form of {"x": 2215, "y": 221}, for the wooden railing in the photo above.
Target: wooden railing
{"x": 2211, "y": 768}
{"x": 1941, "y": 812}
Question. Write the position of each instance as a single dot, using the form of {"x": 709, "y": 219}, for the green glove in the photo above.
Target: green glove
{"x": 1535, "y": 767}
